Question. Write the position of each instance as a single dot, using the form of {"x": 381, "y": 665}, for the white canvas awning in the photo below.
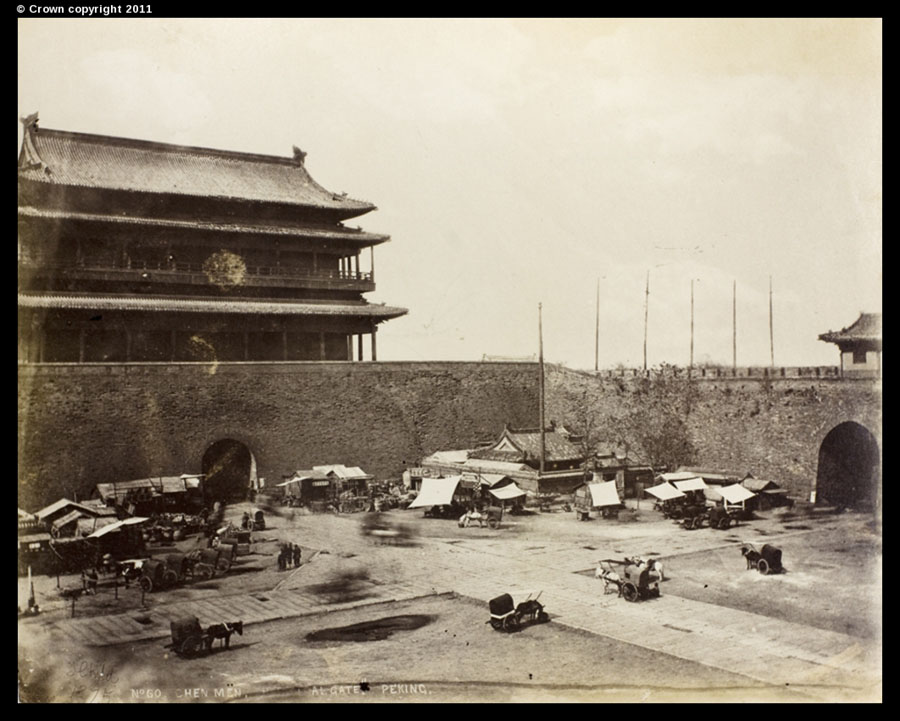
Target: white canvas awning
{"x": 506, "y": 493}
{"x": 485, "y": 479}
{"x": 736, "y": 493}
{"x": 678, "y": 476}
{"x": 664, "y": 492}
{"x": 691, "y": 484}
{"x": 302, "y": 476}
{"x": 109, "y": 528}
{"x": 604, "y": 494}
{"x": 436, "y": 492}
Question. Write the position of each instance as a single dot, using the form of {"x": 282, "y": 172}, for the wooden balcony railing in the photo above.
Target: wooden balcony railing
{"x": 196, "y": 272}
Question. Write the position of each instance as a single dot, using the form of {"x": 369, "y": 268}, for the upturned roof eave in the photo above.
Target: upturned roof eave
{"x": 362, "y": 238}
{"x": 245, "y": 306}
{"x": 36, "y": 161}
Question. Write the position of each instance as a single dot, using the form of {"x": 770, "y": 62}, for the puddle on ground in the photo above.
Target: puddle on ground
{"x": 799, "y": 528}
{"x": 377, "y": 630}
{"x": 589, "y": 548}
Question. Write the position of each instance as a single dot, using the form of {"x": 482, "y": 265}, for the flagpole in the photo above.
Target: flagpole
{"x": 597, "y": 332}
{"x": 771, "y": 331}
{"x": 646, "y": 306}
{"x": 691, "y": 365}
{"x": 541, "y": 364}
{"x": 734, "y": 327}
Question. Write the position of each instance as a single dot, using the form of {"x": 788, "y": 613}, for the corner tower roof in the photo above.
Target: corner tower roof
{"x": 867, "y": 328}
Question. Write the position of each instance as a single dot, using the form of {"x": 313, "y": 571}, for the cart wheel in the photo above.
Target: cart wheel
{"x": 543, "y": 617}
{"x": 493, "y": 523}
{"x": 763, "y": 566}
{"x": 203, "y": 572}
{"x": 698, "y": 522}
{"x": 146, "y": 584}
{"x": 224, "y": 564}
{"x": 170, "y": 578}
{"x": 725, "y": 523}
{"x": 630, "y": 592}
{"x": 190, "y": 645}
{"x": 496, "y": 624}
{"x": 689, "y": 523}
{"x": 207, "y": 644}
{"x": 511, "y": 623}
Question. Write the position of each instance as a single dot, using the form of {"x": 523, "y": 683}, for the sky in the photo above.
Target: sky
{"x": 518, "y": 162}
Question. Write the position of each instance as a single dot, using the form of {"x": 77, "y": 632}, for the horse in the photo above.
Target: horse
{"x": 223, "y": 631}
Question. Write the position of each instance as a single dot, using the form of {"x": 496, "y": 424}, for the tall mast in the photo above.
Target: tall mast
{"x": 541, "y": 364}
{"x": 691, "y": 365}
{"x": 734, "y": 327}
{"x": 646, "y": 307}
{"x": 597, "y": 332}
{"x": 771, "y": 331}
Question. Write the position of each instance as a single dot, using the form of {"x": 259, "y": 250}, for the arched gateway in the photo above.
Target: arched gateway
{"x": 229, "y": 469}
{"x": 849, "y": 467}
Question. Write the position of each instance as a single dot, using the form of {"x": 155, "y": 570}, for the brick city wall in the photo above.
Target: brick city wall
{"x": 771, "y": 427}
{"x": 84, "y": 424}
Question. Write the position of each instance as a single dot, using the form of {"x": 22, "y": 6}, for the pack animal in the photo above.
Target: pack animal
{"x": 223, "y": 632}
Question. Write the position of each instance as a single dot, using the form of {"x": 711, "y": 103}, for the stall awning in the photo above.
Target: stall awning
{"x": 436, "y": 492}
{"x": 664, "y": 492}
{"x": 604, "y": 494}
{"x": 678, "y": 476}
{"x": 68, "y": 518}
{"x": 736, "y": 493}
{"x": 691, "y": 484}
{"x": 506, "y": 493}
{"x": 117, "y": 525}
{"x": 483, "y": 479}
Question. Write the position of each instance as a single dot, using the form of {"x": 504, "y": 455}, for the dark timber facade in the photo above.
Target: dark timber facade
{"x": 135, "y": 251}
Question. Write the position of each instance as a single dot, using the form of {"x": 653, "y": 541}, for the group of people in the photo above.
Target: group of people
{"x": 653, "y": 565}
{"x": 473, "y": 515}
{"x": 289, "y": 556}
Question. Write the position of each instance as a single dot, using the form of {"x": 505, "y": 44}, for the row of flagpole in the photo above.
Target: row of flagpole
{"x": 646, "y": 316}
{"x": 691, "y": 363}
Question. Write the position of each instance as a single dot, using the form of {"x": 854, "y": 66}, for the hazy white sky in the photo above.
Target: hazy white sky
{"x": 520, "y": 161}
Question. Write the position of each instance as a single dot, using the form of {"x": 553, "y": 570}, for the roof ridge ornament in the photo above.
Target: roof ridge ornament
{"x": 299, "y": 156}
{"x": 29, "y": 158}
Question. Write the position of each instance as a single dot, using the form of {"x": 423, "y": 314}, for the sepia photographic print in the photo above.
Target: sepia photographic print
{"x": 606, "y": 427}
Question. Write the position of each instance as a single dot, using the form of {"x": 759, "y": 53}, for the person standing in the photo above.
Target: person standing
{"x": 296, "y": 553}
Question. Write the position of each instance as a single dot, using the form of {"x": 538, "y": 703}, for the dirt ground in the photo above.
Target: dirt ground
{"x": 439, "y": 648}
{"x": 454, "y": 656}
